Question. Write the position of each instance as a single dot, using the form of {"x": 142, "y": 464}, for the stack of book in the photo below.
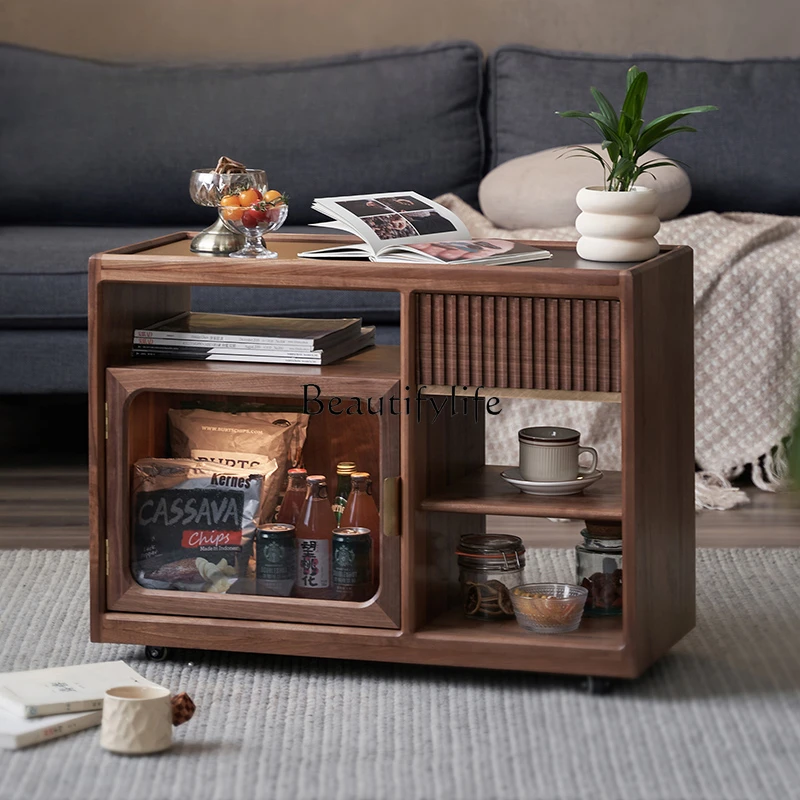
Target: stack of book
{"x": 43, "y": 704}
{"x": 265, "y": 340}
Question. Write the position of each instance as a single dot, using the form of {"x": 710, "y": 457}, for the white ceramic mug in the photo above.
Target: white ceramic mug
{"x": 138, "y": 719}
{"x": 551, "y": 454}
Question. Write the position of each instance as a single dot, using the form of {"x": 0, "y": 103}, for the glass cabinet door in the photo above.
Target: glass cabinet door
{"x": 196, "y": 481}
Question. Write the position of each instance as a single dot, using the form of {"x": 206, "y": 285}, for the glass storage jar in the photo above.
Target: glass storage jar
{"x": 598, "y": 568}
{"x": 489, "y": 565}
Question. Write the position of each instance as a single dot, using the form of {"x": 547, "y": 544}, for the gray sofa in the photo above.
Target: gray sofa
{"x": 97, "y": 155}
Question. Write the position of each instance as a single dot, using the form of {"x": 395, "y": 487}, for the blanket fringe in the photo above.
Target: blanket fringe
{"x": 772, "y": 472}
{"x": 713, "y": 491}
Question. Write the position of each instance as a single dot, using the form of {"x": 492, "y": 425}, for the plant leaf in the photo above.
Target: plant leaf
{"x": 650, "y": 141}
{"x": 606, "y": 109}
{"x": 677, "y": 115}
{"x": 573, "y": 114}
{"x": 633, "y": 104}
{"x": 631, "y": 76}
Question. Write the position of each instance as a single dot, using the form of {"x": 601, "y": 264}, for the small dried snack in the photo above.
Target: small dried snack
{"x": 548, "y": 607}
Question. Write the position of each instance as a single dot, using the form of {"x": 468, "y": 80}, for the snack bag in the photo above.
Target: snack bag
{"x": 193, "y": 523}
{"x": 244, "y": 440}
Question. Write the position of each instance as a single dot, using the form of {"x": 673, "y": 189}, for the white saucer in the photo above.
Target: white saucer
{"x": 550, "y": 488}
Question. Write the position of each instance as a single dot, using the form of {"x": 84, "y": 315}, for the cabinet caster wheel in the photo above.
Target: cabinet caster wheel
{"x": 155, "y": 653}
{"x": 594, "y": 685}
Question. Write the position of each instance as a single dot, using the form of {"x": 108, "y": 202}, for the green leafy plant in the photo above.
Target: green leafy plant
{"x": 625, "y": 136}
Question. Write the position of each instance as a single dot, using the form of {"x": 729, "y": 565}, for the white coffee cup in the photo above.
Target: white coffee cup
{"x": 139, "y": 719}
{"x": 551, "y": 454}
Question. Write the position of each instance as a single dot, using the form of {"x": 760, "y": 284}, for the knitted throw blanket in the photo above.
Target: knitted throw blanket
{"x": 747, "y": 352}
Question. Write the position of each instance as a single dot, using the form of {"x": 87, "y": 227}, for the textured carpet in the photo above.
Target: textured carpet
{"x": 718, "y": 718}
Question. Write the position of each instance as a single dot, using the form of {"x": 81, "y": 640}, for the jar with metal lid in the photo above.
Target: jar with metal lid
{"x": 489, "y": 565}
{"x": 598, "y": 568}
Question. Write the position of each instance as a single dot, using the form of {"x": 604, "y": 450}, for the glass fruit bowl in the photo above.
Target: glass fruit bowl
{"x": 253, "y": 214}
{"x": 548, "y": 607}
{"x": 207, "y": 188}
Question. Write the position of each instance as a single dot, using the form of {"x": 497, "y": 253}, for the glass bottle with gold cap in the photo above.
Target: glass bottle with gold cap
{"x": 344, "y": 471}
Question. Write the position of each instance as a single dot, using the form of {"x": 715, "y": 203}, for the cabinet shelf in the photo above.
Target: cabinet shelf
{"x": 596, "y": 647}
{"x": 364, "y": 374}
{"x": 483, "y": 491}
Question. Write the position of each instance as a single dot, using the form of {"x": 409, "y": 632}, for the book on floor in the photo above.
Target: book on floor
{"x": 304, "y": 335}
{"x": 60, "y": 690}
{"x": 213, "y": 351}
{"x": 406, "y": 227}
{"x": 18, "y": 732}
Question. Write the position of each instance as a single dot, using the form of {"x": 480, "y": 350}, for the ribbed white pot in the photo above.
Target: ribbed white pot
{"x": 617, "y": 226}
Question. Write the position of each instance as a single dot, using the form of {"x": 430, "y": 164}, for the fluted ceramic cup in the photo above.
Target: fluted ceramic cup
{"x": 551, "y": 454}
{"x": 138, "y": 720}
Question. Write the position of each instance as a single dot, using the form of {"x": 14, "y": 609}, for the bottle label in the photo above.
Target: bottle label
{"x": 313, "y": 563}
{"x": 338, "y": 508}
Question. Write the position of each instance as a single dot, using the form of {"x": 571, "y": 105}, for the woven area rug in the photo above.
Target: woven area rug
{"x": 717, "y": 718}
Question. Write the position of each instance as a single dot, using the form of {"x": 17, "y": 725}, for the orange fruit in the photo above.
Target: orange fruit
{"x": 271, "y": 196}
{"x": 249, "y": 196}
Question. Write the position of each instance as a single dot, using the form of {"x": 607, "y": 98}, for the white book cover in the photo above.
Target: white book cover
{"x": 16, "y": 732}
{"x": 59, "y": 690}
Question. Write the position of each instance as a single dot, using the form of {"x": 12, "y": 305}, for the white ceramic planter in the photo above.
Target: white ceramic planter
{"x": 617, "y": 226}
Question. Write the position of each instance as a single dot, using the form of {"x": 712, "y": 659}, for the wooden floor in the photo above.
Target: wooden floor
{"x": 46, "y": 506}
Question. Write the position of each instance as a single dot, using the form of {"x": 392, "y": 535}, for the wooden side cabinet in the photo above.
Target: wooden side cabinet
{"x": 433, "y": 482}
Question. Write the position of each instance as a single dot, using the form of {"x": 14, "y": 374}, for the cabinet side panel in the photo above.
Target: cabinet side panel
{"x": 658, "y": 456}
{"x": 115, "y": 309}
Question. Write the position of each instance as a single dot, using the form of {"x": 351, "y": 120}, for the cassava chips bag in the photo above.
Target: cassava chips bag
{"x": 194, "y": 523}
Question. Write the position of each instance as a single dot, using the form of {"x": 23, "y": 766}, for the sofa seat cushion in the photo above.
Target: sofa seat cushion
{"x": 100, "y": 143}
{"x": 741, "y": 158}
{"x": 43, "y": 281}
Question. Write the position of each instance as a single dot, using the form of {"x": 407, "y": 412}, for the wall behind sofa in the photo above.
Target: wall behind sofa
{"x": 241, "y": 30}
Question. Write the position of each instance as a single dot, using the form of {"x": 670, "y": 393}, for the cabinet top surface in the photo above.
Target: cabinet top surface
{"x": 169, "y": 259}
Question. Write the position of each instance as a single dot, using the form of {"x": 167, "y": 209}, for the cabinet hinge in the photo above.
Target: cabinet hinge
{"x": 106, "y": 548}
{"x": 106, "y": 417}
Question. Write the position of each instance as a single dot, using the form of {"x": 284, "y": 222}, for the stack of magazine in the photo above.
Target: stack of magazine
{"x": 43, "y": 704}
{"x": 264, "y": 340}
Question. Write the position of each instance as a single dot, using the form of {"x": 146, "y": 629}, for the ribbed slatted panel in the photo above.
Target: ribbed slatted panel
{"x": 518, "y": 342}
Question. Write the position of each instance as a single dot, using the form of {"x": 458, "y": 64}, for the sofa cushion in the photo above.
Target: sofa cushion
{"x": 90, "y": 142}
{"x": 539, "y": 190}
{"x": 741, "y": 158}
{"x": 43, "y": 282}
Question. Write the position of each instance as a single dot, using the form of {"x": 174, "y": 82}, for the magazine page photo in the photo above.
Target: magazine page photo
{"x": 393, "y": 218}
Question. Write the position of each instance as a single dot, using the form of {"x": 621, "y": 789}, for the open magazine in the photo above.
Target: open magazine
{"x": 407, "y": 227}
